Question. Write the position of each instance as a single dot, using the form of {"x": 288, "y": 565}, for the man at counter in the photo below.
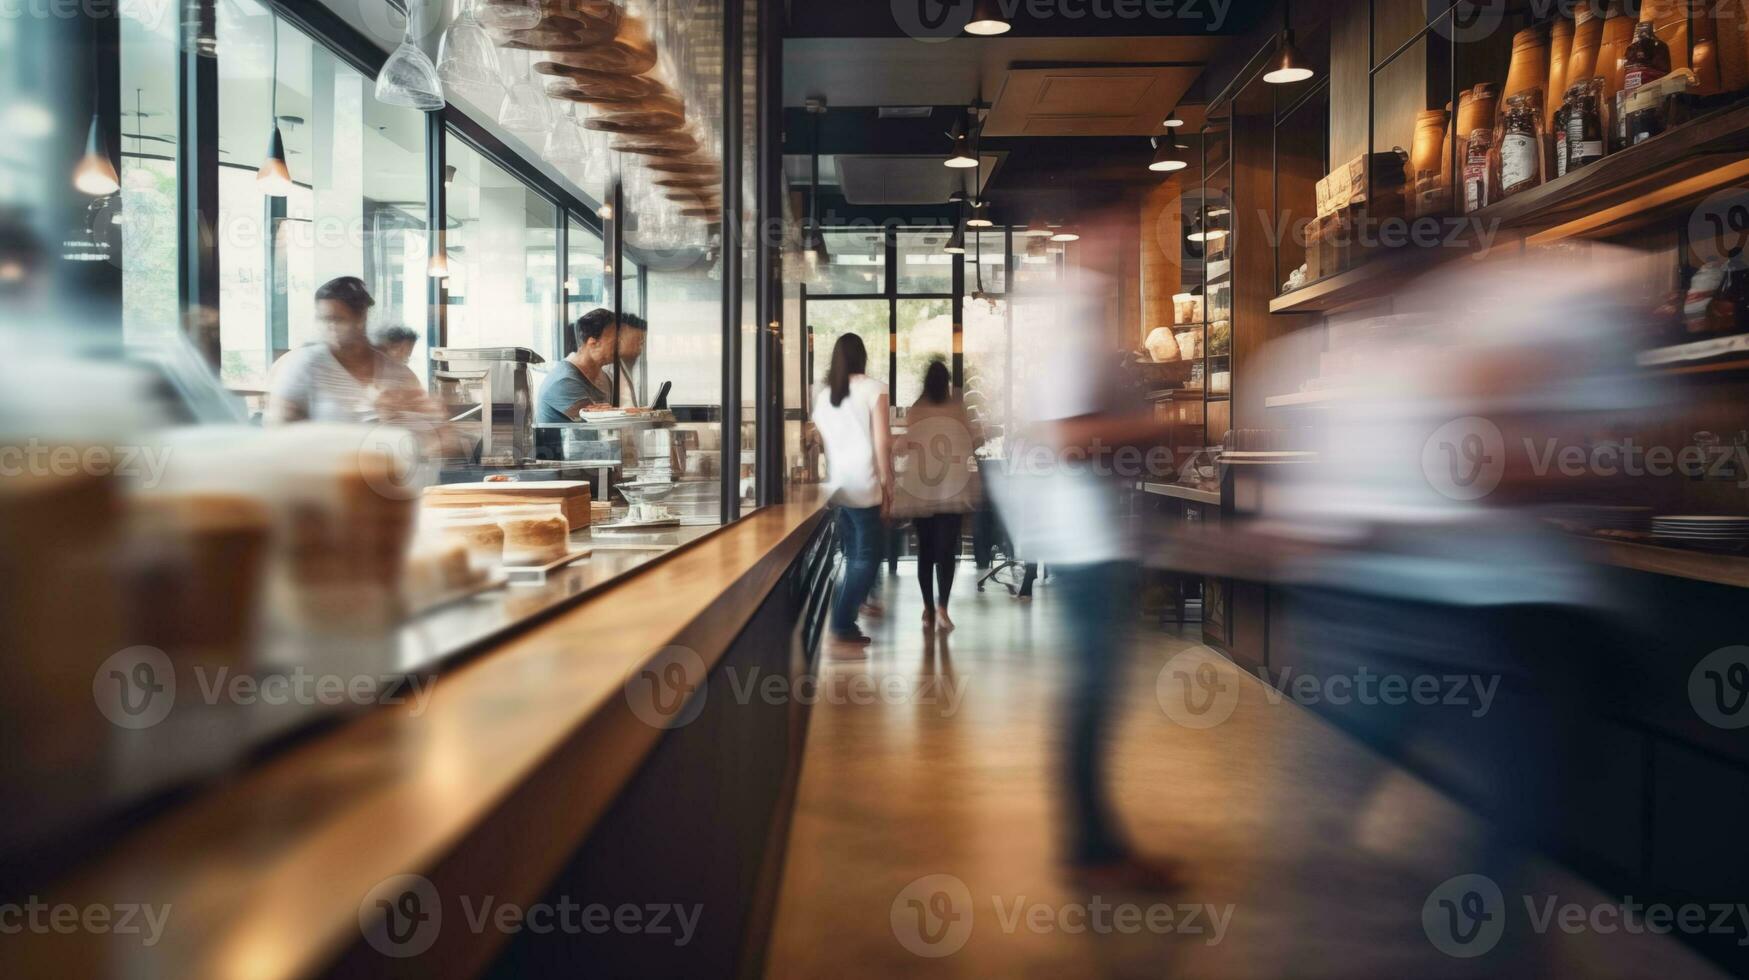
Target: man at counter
{"x": 631, "y": 349}
{"x": 581, "y": 381}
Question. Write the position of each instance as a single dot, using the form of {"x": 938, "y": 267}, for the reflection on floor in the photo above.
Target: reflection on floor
{"x": 922, "y": 842}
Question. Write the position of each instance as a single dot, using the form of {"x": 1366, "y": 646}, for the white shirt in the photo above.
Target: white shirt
{"x": 315, "y": 381}
{"x": 848, "y": 432}
{"x": 1057, "y": 509}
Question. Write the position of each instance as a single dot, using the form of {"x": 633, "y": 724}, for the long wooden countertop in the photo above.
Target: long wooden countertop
{"x": 517, "y": 754}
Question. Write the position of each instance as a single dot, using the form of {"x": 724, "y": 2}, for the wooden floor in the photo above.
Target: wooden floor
{"x": 922, "y": 841}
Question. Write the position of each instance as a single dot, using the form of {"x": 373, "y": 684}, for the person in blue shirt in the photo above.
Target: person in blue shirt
{"x": 581, "y": 382}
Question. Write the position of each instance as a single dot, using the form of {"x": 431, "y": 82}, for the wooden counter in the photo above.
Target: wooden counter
{"x": 486, "y": 793}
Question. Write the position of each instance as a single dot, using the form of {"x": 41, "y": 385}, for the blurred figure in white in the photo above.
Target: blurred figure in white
{"x": 1061, "y": 499}
{"x": 343, "y": 378}
{"x": 937, "y": 486}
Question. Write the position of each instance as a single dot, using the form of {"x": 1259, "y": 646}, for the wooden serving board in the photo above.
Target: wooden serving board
{"x": 571, "y": 495}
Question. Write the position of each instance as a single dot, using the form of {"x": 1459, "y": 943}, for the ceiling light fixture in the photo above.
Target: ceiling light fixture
{"x": 987, "y": 19}
{"x": 1065, "y": 235}
{"x": 980, "y": 216}
{"x": 1288, "y": 66}
{"x": 956, "y": 243}
{"x": 1168, "y": 156}
{"x": 1172, "y": 120}
{"x": 95, "y": 174}
{"x": 964, "y": 155}
{"x": 273, "y": 178}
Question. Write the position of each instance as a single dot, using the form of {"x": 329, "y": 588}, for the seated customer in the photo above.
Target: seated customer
{"x": 580, "y": 382}
{"x": 342, "y": 378}
{"x": 397, "y": 342}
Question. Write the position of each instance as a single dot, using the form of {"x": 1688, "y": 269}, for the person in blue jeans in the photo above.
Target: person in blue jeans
{"x": 852, "y": 416}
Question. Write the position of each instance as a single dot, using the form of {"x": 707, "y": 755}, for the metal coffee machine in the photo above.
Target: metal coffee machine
{"x": 486, "y": 390}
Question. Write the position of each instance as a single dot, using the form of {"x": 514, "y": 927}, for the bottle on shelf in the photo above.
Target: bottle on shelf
{"x": 1648, "y": 59}
{"x": 1584, "y": 136}
{"x": 1560, "y": 52}
{"x": 1520, "y": 151}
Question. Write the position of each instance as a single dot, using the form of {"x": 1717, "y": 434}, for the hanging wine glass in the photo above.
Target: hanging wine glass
{"x": 409, "y": 78}
{"x": 467, "y": 61}
{"x": 524, "y": 110}
{"x": 508, "y": 15}
{"x": 564, "y": 147}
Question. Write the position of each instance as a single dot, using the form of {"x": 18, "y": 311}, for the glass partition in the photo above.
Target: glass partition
{"x": 924, "y": 333}
{"x": 923, "y": 266}
{"x": 356, "y": 206}
{"x": 502, "y": 238}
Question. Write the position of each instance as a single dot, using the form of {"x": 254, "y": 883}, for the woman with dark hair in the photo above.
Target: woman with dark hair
{"x": 342, "y": 378}
{"x": 937, "y": 486}
{"x": 851, "y": 415}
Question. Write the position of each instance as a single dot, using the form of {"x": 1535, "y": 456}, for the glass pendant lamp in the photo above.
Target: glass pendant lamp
{"x": 524, "y": 110}
{"x": 409, "y": 78}
{"x": 507, "y": 15}
{"x": 467, "y": 61}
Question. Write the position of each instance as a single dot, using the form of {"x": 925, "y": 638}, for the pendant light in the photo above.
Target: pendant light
{"x": 1288, "y": 66}
{"x": 964, "y": 155}
{"x": 813, "y": 241}
{"x": 956, "y": 242}
{"x": 274, "y": 176}
{"x": 1173, "y": 120}
{"x": 1065, "y": 235}
{"x": 1168, "y": 156}
{"x": 987, "y": 19}
{"x": 408, "y": 78}
{"x": 980, "y": 216}
{"x": 95, "y": 172}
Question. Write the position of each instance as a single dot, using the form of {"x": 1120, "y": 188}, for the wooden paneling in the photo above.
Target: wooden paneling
{"x": 1162, "y": 228}
{"x": 1348, "y": 78}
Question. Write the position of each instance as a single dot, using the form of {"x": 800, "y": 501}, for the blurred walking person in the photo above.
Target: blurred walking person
{"x": 937, "y": 486}
{"x": 1062, "y": 501}
{"x": 852, "y": 417}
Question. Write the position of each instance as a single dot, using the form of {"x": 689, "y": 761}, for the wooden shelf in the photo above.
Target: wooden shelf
{"x": 1177, "y": 492}
{"x": 1697, "y": 566}
{"x": 1627, "y": 189}
{"x": 1303, "y": 399}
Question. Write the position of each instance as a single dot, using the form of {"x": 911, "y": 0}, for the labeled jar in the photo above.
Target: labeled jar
{"x": 1584, "y": 136}
{"x": 1520, "y": 148}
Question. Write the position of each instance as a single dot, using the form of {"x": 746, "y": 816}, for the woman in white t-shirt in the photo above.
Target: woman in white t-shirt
{"x": 851, "y": 415}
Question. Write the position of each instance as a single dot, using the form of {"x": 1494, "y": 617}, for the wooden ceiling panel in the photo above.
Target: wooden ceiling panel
{"x": 1126, "y": 100}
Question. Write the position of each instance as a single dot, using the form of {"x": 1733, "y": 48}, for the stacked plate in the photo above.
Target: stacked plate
{"x": 1600, "y": 518}
{"x": 1710, "y": 533}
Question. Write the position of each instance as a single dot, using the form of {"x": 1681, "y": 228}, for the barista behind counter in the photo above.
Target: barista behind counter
{"x": 583, "y": 379}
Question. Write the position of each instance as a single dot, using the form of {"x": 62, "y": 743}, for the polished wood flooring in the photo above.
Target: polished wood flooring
{"x": 922, "y": 839}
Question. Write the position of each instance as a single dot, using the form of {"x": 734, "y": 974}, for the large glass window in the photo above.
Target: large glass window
{"x": 586, "y": 267}
{"x": 503, "y": 264}
{"x": 856, "y": 262}
{"x": 147, "y": 216}
{"x": 827, "y": 321}
{"x": 923, "y": 266}
{"x": 357, "y": 208}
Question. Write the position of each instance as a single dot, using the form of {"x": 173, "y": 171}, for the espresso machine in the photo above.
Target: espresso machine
{"x": 486, "y": 390}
